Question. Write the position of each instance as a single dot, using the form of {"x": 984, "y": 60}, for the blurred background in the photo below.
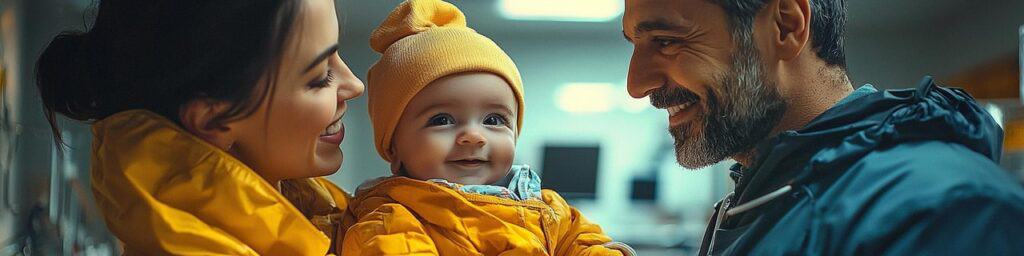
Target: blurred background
{"x": 606, "y": 152}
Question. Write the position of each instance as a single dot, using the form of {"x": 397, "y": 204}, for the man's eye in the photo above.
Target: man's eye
{"x": 495, "y": 119}
{"x": 664, "y": 42}
{"x": 440, "y": 119}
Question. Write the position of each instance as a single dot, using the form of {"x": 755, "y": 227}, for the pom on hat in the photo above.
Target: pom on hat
{"x": 412, "y": 17}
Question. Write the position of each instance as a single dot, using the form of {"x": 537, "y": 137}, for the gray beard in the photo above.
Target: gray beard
{"x": 741, "y": 109}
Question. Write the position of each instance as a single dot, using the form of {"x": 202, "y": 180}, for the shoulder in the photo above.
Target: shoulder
{"x": 933, "y": 170}
{"x": 891, "y": 188}
{"x": 558, "y": 204}
{"x": 553, "y": 199}
{"x": 371, "y": 185}
{"x": 378, "y": 231}
{"x": 386, "y": 218}
{"x": 373, "y": 199}
{"x": 399, "y": 194}
{"x": 912, "y": 189}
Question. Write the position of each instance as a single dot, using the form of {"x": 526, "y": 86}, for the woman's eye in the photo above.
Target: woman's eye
{"x": 441, "y": 119}
{"x": 495, "y": 119}
{"x": 324, "y": 82}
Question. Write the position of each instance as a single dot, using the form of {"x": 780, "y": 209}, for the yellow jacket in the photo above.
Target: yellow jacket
{"x": 402, "y": 216}
{"x": 164, "y": 191}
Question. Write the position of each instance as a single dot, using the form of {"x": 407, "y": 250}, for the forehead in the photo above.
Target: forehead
{"x": 645, "y": 15}
{"x": 315, "y": 29}
{"x": 465, "y": 91}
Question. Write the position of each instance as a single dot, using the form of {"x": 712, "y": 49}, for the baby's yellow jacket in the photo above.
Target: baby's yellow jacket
{"x": 403, "y": 216}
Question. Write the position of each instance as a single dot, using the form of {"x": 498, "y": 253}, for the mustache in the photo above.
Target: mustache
{"x": 668, "y": 96}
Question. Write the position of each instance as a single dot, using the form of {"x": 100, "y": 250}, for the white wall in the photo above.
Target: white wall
{"x": 898, "y": 55}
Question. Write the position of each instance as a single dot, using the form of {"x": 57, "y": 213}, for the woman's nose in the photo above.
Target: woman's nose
{"x": 350, "y": 86}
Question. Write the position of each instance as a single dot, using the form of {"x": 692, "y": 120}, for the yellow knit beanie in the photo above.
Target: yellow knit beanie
{"x": 422, "y": 41}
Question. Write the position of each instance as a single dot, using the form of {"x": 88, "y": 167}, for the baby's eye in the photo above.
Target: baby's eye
{"x": 495, "y": 119}
{"x": 441, "y": 119}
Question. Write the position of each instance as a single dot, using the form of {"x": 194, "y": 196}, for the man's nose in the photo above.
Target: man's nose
{"x": 641, "y": 79}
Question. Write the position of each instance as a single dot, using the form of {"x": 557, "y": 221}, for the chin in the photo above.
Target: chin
{"x": 327, "y": 166}
{"x": 327, "y": 156}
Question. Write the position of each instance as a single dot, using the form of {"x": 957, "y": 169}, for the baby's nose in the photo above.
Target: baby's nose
{"x": 472, "y": 138}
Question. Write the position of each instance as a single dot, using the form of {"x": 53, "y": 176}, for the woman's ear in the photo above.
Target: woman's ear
{"x": 197, "y": 117}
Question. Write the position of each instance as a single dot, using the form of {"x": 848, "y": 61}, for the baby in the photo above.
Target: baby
{"x": 447, "y": 106}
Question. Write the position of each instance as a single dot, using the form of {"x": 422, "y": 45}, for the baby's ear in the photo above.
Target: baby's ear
{"x": 396, "y": 168}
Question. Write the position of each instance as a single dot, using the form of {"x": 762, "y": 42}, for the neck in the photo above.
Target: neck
{"x": 807, "y": 98}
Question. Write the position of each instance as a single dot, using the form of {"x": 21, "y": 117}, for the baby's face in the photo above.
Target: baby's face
{"x": 461, "y": 128}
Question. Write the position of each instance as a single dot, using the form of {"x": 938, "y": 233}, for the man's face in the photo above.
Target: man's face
{"x": 715, "y": 89}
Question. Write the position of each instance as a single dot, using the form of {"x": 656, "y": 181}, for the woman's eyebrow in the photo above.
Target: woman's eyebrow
{"x": 320, "y": 58}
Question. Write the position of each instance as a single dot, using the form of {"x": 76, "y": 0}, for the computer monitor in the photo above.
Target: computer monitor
{"x": 644, "y": 189}
{"x": 570, "y": 170}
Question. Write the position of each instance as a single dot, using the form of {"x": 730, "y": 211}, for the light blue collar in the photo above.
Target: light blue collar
{"x": 524, "y": 185}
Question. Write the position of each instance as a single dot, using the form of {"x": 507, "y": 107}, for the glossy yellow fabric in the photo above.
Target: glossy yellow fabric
{"x": 402, "y": 216}
{"x": 164, "y": 191}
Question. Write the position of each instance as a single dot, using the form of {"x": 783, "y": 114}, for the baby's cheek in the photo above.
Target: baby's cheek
{"x": 431, "y": 153}
{"x": 505, "y": 149}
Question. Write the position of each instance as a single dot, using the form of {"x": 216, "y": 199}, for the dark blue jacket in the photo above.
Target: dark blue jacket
{"x": 896, "y": 172}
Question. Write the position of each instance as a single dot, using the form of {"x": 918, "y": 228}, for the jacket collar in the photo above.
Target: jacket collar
{"x": 162, "y": 189}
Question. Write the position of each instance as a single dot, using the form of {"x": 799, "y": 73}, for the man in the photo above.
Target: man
{"x": 823, "y": 169}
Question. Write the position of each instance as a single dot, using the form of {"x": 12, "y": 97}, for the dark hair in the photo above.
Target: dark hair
{"x": 828, "y": 23}
{"x": 160, "y": 54}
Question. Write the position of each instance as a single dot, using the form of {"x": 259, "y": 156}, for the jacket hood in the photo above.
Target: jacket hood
{"x": 162, "y": 189}
{"x": 848, "y": 131}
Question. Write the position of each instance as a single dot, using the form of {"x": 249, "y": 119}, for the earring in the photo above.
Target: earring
{"x": 395, "y": 166}
{"x": 396, "y": 169}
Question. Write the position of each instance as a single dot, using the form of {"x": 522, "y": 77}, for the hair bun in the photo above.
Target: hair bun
{"x": 65, "y": 76}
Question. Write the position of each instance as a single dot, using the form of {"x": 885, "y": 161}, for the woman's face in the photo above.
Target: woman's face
{"x": 297, "y": 131}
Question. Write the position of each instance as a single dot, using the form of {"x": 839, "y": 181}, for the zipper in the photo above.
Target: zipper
{"x": 725, "y": 205}
{"x": 759, "y": 201}
{"x": 718, "y": 220}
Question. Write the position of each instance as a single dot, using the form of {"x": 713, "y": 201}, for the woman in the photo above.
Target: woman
{"x": 212, "y": 121}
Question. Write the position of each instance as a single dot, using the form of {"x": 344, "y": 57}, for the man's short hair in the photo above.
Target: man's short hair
{"x": 828, "y": 23}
